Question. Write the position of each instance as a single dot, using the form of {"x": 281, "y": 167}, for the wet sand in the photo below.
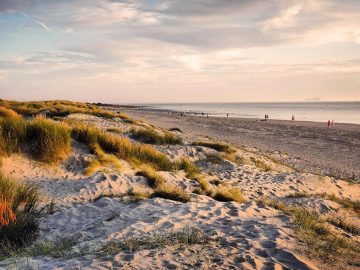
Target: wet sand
{"x": 308, "y": 146}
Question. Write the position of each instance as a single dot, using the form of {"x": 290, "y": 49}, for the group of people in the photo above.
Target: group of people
{"x": 330, "y": 123}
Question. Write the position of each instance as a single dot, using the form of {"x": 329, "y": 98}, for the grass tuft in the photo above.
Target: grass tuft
{"x": 20, "y": 215}
{"x": 220, "y": 147}
{"x": 123, "y": 148}
{"x": 153, "y": 136}
{"x": 319, "y": 241}
{"x": 226, "y": 194}
{"x": 49, "y": 141}
{"x": 187, "y": 236}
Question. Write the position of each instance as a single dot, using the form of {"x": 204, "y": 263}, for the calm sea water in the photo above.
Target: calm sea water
{"x": 344, "y": 112}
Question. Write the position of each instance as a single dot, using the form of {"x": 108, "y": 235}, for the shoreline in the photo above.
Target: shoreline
{"x": 147, "y": 108}
{"x": 304, "y": 145}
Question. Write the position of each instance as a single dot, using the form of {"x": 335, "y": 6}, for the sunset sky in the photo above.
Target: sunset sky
{"x": 180, "y": 50}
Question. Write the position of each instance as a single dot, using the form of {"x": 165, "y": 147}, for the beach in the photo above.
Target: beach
{"x": 124, "y": 192}
{"x": 305, "y": 146}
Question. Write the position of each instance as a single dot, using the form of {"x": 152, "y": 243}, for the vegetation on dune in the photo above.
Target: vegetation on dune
{"x": 190, "y": 168}
{"x": 228, "y": 194}
{"x": 58, "y": 108}
{"x": 153, "y": 136}
{"x": 123, "y": 148}
{"x": 20, "y": 215}
{"x": 187, "y": 236}
{"x": 345, "y": 202}
{"x": 220, "y": 147}
{"x": 6, "y": 112}
{"x": 49, "y": 141}
{"x": 44, "y": 139}
{"x": 319, "y": 240}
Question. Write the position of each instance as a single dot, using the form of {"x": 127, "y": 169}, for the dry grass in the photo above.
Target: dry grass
{"x": 318, "y": 239}
{"x": 123, "y": 148}
{"x": 6, "y": 112}
{"x": 263, "y": 165}
{"x": 227, "y": 194}
{"x": 344, "y": 225}
{"x": 20, "y": 214}
{"x": 190, "y": 168}
{"x": 171, "y": 192}
{"x": 153, "y": 136}
{"x": 161, "y": 188}
{"x": 220, "y": 147}
{"x": 56, "y": 108}
{"x": 115, "y": 130}
{"x": 345, "y": 202}
{"x": 44, "y": 139}
{"x": 154, "y": 179}
{"x": 187, "y": 236}
{"x": 49, "y": 141}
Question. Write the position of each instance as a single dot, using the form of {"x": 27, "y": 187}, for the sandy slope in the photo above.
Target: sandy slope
{"x": 308, "y": 146}
{"x": 238, "y": 236}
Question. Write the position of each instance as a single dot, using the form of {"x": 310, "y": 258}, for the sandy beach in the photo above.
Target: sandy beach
{"x": 305, "y": 146}
{"x": 229, "y": 208}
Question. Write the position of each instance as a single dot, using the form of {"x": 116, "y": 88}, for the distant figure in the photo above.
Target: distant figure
{"x": 293, "y": 118}
{"x": 207, "y": 115}
{"x": 332, "y": 123}
{"x": 328, "y": 123}
{"x": 265, "y": 117}
{"x": 227, "y": 115}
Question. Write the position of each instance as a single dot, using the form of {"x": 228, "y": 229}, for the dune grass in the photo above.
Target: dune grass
{"x": 44, "y": 139}
{"x": 344, "y": 225}
{"x": 12, "y": 135}
{"x": 345, "y": 202}
{"x": 228, "y": 194}
{"x": 263, "y": 165}
{"x": 153, "y": 136}
{"x": 320, "y": 241}
{"x": 115, "y": 130}
{"x": 123, "y": 148}
{"x": 187, "y": 236}
{"x": 220, "y": 147}
{"x": 6, "y": 112}
{"x": 55, "y": 108}
{"x": 20, "y": 215}
{"x": 189, "y": 167}
{"x": 161, "y": 188}
{"x": 153, "y": 178}
{"x": 50, "y": 141}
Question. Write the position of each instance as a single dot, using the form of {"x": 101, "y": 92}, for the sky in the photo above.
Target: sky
{"x": 148, "y": 51}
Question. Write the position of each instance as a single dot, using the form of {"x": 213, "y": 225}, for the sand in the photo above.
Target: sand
{"x": 306, "y": 146}
{"x": 93, "y": 210}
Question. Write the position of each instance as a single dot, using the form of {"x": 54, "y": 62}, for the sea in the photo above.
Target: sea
{"x": 340, "y": 112}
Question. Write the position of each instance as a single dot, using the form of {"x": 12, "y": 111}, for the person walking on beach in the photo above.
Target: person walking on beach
{"x": 293, "y": 118}
{"x": 328, "y": 123}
